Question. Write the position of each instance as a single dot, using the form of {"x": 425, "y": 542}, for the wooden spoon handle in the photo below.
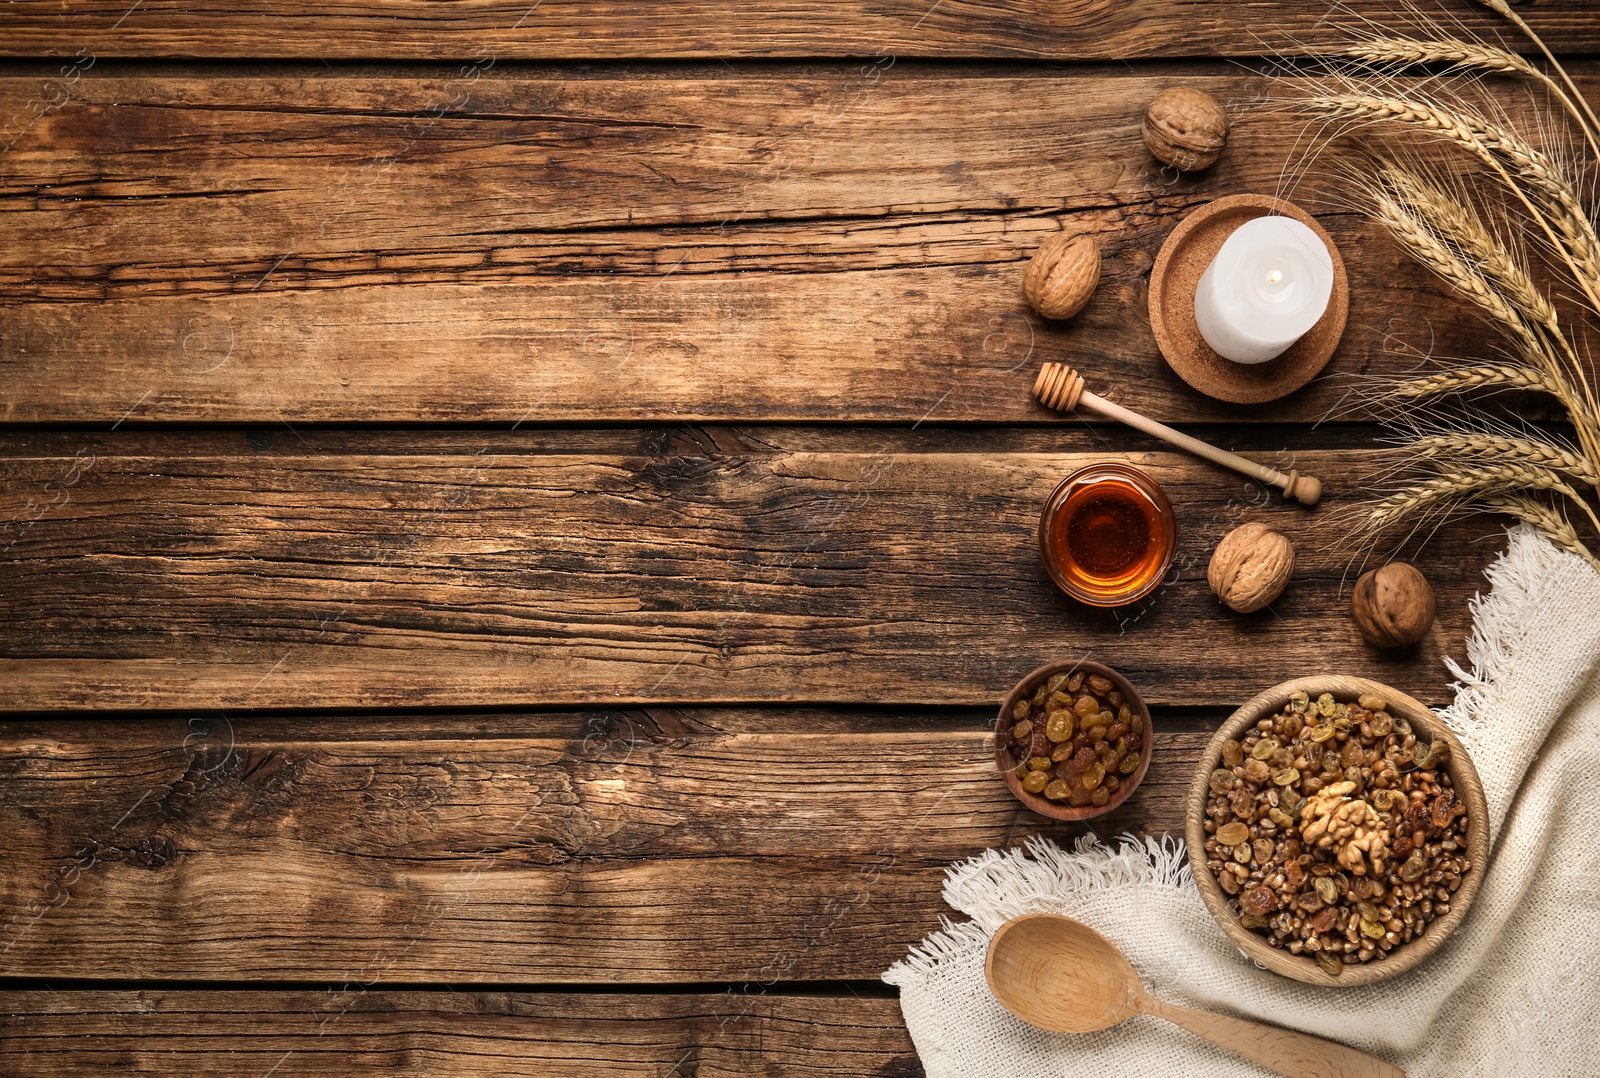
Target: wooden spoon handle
{"x": 1298, "y": 1055}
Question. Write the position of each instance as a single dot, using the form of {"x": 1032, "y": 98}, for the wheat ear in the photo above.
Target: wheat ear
{"x": 1469, "y": 482}
{"x": 1463, "y": 379}
{"x": 1544, "y": 518}
{"x": 1469, "y": 55}
{"x": 1499, "y": 447}
{"x": 1465, "y": 229}
{"x": 1424, "y": 245}
{"x": 1496, "y": 147}
{"x": 1482, "y": 269}
{"x": 1591, "y": 128}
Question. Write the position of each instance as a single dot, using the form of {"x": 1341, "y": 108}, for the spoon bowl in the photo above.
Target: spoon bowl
{"x": 1063, "y": 976}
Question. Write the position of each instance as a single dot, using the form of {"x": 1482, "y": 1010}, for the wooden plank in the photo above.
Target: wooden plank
{"x": 648, "y": 847}
{"x": 226, "y": 570}
{"x": 571, "y": 29}
{"x": 354, "y": 1031}
{"x": 817, "y": 246}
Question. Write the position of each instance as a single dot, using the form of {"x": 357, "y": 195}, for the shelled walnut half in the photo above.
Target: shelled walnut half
{"x": 1354, "y": 829}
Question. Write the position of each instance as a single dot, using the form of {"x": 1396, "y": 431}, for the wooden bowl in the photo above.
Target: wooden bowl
{"x": 1007, "y": 760}
{"x": 1464, "y": 780}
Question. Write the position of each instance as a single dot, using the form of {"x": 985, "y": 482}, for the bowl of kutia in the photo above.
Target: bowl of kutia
{"x": 1337, "y": 830}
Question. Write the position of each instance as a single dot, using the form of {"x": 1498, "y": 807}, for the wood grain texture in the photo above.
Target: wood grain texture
{"x": 574, "y": 29}
{"x": 317, "y": 569}
{"x": 356, "y": 1031}
{"x": 832, "y": 246}
{"x": 650, "y": 846}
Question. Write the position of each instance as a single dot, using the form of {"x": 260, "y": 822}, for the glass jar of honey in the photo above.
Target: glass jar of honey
{"x": 1107, "y": 534}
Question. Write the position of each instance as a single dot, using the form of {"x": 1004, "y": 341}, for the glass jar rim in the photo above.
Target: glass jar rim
{"x": 1091, "y": 473}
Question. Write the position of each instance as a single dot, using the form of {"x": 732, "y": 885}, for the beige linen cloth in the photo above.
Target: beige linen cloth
{"x": 1516, "y": 991}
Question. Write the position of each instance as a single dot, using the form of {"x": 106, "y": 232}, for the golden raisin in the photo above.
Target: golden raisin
{"x": 1231, "y": 834}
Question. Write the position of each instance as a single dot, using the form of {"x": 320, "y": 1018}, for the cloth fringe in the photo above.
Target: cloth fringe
{"x": 1526, "y": 577}
{"x": 997, "y": 885}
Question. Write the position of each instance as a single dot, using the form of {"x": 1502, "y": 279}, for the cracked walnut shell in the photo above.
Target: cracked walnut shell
{"x": 1251, "y": 567}
{"x": 1062, "y": 274}
{"x": 1185, "y": 128}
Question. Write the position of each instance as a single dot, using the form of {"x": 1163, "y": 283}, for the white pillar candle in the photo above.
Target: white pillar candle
{"x": 1264, "y": 290}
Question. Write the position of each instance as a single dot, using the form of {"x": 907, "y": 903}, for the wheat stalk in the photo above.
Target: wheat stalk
{"x": 1559, "y": 213}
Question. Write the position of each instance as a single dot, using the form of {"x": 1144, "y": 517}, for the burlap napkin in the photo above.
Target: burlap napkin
{"x": 1516, "y": 991}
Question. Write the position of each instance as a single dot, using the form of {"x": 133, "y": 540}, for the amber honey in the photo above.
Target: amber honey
{"x": 1107, "y": 534}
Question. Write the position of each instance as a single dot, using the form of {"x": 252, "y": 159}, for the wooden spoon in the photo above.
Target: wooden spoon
{"x": 1054, "y": 973}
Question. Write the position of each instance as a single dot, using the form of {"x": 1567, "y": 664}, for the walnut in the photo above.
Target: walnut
{"x": 1393, "y": 606}
{"x": 1185, "y": 128}
{"x": 1251, "y": 567}
{"x": 1062, "y": 274}
{"x": 1351, "y": 827}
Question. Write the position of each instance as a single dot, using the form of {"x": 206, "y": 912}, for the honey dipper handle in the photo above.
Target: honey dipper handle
{"x": 1297, "y": 1055}
{"x": 1301, "y": 488}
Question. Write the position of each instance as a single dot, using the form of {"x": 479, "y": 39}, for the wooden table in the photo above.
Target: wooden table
{"x": 518, "y": 516}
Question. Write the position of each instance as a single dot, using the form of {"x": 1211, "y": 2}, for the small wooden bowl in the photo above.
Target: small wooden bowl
{"x": 1463, "y": 778}
{"x": 1007, "y": 760}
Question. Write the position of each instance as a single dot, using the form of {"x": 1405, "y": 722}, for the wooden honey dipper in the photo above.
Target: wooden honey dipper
{"x": 1061, "y": 388}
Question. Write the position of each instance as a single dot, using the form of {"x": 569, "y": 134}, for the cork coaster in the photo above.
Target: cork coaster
{"x": 1175, "y": 277}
